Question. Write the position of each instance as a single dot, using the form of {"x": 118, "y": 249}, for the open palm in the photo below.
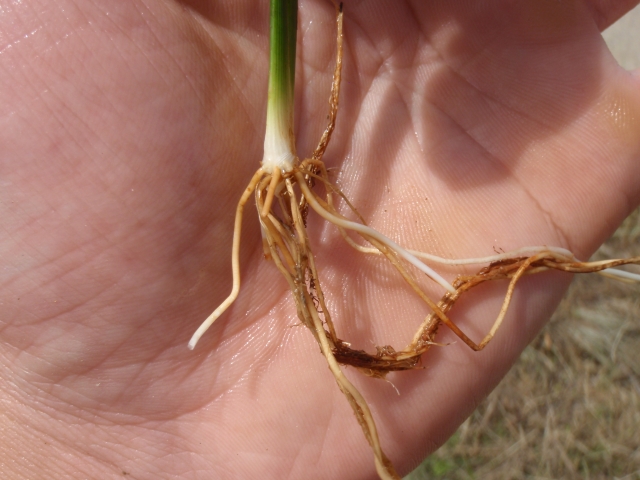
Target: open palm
{"x": 129, "y": 130}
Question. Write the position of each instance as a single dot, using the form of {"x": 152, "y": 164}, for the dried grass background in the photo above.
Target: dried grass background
{"x": 570, "y": 407}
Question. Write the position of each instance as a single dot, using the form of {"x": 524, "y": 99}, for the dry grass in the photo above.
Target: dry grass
{"x": 570, "y": 407}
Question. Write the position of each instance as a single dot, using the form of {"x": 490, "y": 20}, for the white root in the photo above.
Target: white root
{"x": 368, "y": 231}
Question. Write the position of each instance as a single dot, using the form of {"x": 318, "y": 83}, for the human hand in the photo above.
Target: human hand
{"x": 130, "y": 130}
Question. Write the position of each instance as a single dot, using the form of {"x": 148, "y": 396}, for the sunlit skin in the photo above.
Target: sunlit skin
{"x": 130, "y": 129}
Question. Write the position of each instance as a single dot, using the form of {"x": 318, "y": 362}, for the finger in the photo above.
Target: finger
{"x": 607, "y": 12}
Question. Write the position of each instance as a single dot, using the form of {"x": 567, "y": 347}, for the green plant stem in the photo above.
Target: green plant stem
{"x": 279, "y": 142}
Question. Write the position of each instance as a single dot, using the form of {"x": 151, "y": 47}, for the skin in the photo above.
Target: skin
{"x": 128, "y": 131}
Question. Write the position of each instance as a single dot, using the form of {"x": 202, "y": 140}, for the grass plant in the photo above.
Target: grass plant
{"x": 287, "y": 188}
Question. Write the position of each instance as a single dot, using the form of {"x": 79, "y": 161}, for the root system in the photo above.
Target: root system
{"x": 284, "y": 199}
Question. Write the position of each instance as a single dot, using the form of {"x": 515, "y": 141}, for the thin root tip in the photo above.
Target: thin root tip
{"x": 192, "y": 343}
